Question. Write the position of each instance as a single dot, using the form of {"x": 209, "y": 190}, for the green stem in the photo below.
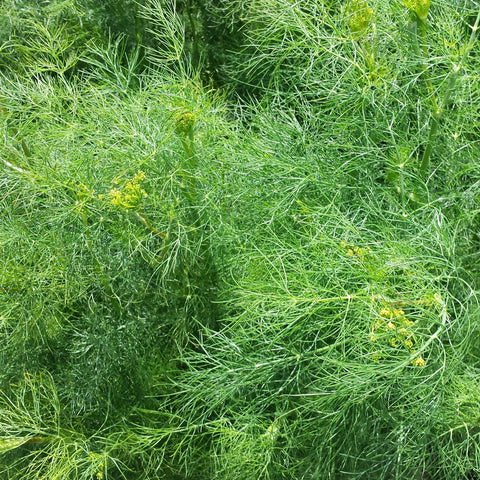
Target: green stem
{"x": 368, "y": 55}
{"x": 422, "y": 24}
{"x": 42, "y": 439}
{"x": 25, "y": 148}
{"x": 188, "y": 145}
{"x": 138, "y": 29}
{"x": 195, "y": 42}
{"x": 402, "y": 187}
{"x": 147, "y": 223}
{"x": 431, "y": 139}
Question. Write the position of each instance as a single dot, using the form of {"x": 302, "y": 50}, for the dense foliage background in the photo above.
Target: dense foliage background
{"x": 239, "y": 239}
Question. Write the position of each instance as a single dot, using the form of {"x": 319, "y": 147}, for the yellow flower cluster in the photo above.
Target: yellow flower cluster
{"x": 394, "y": 327}
{"x": 420, "y": 7}
{"x": 419, "y": 362}
{"x": 99, "y": 463}
{"x": 130, "y": 194}
{"x": 354, "y": 251}
{"x": 360, "y": 15}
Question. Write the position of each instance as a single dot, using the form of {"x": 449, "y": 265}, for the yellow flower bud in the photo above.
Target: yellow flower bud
{"x": 419, "y": 7}
{"x": 184, "y": 123}
{"x": 360, "y": 15}
{"x": 419, "y": 362}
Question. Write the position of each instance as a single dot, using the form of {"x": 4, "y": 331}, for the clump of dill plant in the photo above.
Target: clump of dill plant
{"x": 185, "y": 299}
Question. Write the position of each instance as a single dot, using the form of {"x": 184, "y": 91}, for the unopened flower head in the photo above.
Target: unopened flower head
{"x": 360, "y": 15}
{"x": 184, "y": 123}
{"x": 420, "y": 7}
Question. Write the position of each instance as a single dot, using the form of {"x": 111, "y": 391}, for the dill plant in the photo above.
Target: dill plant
{"x": 107, "y": 265}
{"x": 345, "y": 322}
{"x": 34, "y": 33}
{"x": 371, "y": 60}
{"x": 269, "y": 292}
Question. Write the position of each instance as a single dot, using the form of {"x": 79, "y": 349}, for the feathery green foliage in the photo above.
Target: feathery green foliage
{"x": 275, "y": 282}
